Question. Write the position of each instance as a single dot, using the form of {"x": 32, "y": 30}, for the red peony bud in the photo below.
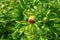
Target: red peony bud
{"x": 31, "y": 19}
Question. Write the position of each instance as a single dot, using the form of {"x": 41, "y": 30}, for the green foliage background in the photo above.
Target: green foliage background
{"x": 14, "y": 15}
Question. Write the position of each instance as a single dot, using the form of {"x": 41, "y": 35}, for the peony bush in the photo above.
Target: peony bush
{"x": 29, "y": 19}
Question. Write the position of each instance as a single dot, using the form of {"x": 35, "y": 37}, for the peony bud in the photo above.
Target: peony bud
{"x": 31, "y": 19}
